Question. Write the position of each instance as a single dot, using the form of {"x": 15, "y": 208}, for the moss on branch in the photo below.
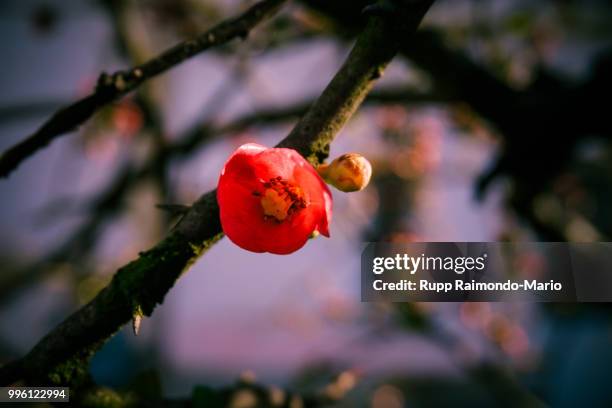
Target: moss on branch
{"x": 62, "y": 356}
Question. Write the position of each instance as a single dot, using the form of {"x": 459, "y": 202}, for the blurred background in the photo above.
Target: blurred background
{"x": 492, "y": 125}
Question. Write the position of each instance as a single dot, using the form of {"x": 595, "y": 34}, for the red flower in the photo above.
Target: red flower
{"x": 272, "y": 200}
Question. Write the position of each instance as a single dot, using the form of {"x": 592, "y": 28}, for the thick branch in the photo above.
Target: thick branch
{"x": 451, "y": 70}
{"x": 109, "y": 202}
{"x": 61, "y": 357}
{"x": 113, "y": 87}
{"x": 346, "y": 92}
{"x": 202, "y": 132}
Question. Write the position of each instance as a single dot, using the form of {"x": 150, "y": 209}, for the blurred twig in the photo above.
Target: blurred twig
{"x": 28, "y": 109}
{"x": 244, "y": 393}
{"x": 111, "y": 87}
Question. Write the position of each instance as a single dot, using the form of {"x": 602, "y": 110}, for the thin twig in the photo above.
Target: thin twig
{"x": 114, "y": 86}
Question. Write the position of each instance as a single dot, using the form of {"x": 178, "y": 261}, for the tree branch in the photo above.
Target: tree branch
{"x": 114, "y": 86}
{"x": 62, "y": 356}
{"x": 109, "y": 202}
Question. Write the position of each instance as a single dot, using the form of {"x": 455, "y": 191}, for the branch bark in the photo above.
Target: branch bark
{"x": 62, "y": 356}
{"x": 109, "y": 202}
{"x": 114, "y": 86}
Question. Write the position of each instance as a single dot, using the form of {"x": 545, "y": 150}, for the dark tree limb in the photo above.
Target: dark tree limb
{"x": 62, "y": 356}
{"x": 114, "y": 86}
{"x": 450, "y": 69}
{"x": 551, "y": 112}
{"x": 109, "y": 202}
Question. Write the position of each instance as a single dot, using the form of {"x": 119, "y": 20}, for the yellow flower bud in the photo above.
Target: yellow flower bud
{"x": 349, "y": 172}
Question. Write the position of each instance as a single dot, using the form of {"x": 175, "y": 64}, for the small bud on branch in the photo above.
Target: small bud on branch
{"x": 349, "y": 172}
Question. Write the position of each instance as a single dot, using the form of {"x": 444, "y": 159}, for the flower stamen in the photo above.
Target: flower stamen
{"x": 280, "y": 199}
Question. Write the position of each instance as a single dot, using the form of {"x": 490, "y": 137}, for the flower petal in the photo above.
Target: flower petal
{"x": 239, "y": 196}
